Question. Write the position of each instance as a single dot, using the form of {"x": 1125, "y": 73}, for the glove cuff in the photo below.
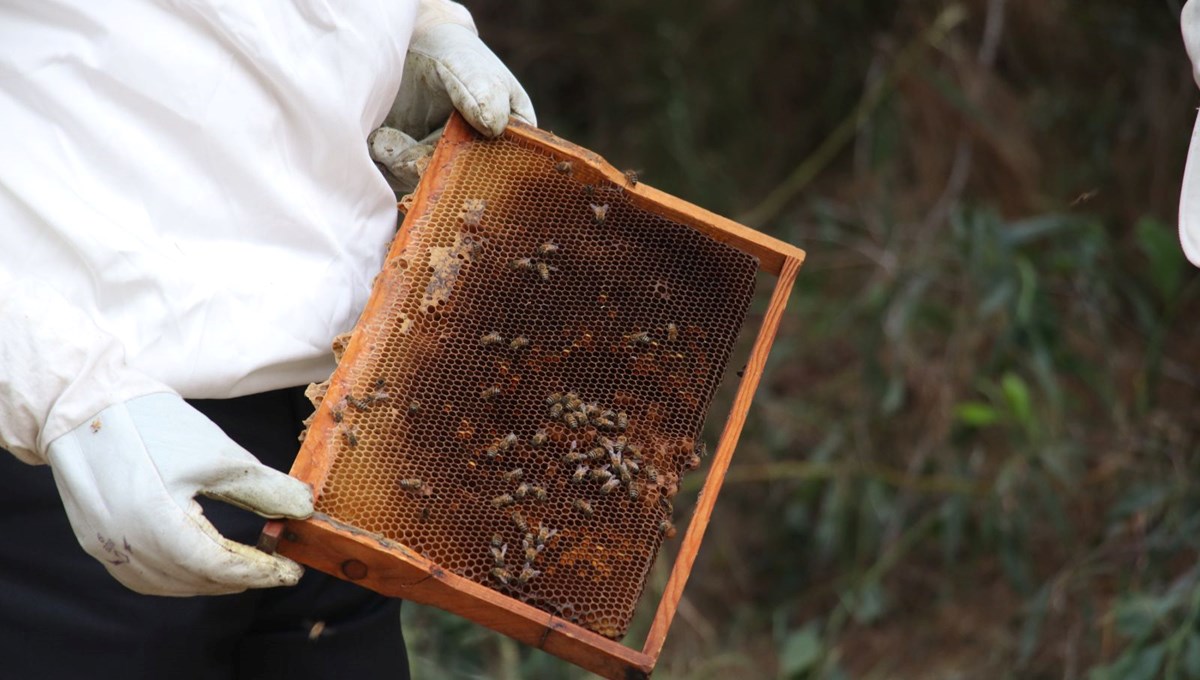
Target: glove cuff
{"x": 432, "y": 13}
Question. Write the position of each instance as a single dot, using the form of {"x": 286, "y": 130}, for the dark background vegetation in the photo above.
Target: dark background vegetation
{"x": 974, "y": 452}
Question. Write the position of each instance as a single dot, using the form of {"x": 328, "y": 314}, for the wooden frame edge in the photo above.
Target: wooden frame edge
{"x": 690, "y": 546}
{"x": 392, "y": 569}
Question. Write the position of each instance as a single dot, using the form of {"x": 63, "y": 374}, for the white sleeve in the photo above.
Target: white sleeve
{"x": 1189, "y": 199}
{"x": 57, "y": 368}
{"x": 433, "y": 12}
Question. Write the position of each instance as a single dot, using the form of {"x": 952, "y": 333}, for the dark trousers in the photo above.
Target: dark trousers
{"x": 63, "y": 616}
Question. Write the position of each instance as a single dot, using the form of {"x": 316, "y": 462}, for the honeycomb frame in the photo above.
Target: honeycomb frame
{"x": 392, "y": 556}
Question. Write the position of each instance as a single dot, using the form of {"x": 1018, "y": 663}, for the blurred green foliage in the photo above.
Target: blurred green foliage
{"x": 974, "y": 450}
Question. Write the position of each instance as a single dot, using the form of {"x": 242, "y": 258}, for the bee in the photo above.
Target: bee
{"x": 602, "y": 475}
{"x": 544, "y": 270}
{"x": 633, "y": 492}
{"x": 633, "y": 466}
{"x": 597, "y": 453}
{"x": 380, "y": 394}
{"x": 350, "y": 434}
{"x": 631, "y": 176}
{"x": 519, "y": 342}
{"x": 545, "y": 534}
{"x": 604, "y": 423}
{"x": 639, "y": 338}
{"x": 608, "y": 486}
{"x": 498, "y": 554}
{"x": 414, "y": 407}
{"x": 548, "y": 248}
{"x": 556, "y": 410}
{"x": 514, "y": 475}
{"x": 589, "y": 189}
{"x": 410, "y": 484}
{"x": 493, "y": 451}
{"x": 573, "y": 402}
{"x": 502, "y": 575}
{"x": 521, "y": 491}
{"x": 672, "y": 332}
{"x": 527, "y": 541}
{"x": 666, "y": 528}
{"x": 490, "y": 393}
{"x": 497, "y": 540}
{"x": 575, "y": 457}
{"x": 608, "y": 444}
{"x": 622, "y": 420}
{"x": 652, "y": 474}
{"x": 522, "y": 264}
{"x": 599, "y": 212}
{"x": 554, "y": 398}
{"x": 564, "y": 167}
{"x": 615, "y": 459}
{"x": 570, "y": 396}
{"x": 473, "y": 211}
{"x": 539, "y": 493}
{"x": 360, "y": 404}
{"x": 692, "y": 462}
{"x": 338, "y": 413}
{"x": 519, "y": 521}
{"x": 508, "y": 441}
{"x": 503, "y": 500}
{"x": 702, "y": 450}
{"x": 626, "y": 475}
{"x": 572, "y": 420}
{"x": 531, "y": 554}
{"x": 583, "y": 507}
{"x": 527, "y": 574}
{"x": 580, "y": 473}
{"x": 492, "y": 338}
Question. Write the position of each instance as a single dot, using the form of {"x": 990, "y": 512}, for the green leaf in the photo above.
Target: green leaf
{"x": 1161, "y": 247}
{"x": 869, "y": 602}
{"x": 1028, "y": 290}
{"x": 1145, "y": 663}
{"x": 1191, "y": 656}
{"x": 801, "y": 651}
{"x": 975, "y": 414}
{"x": 1137, "y": 616}
{"x": 1016, "y": 393}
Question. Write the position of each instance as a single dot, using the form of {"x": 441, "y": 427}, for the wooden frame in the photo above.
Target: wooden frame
{"x": 392, "y": 569}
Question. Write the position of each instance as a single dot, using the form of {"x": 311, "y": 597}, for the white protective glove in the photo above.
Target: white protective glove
{"x": 128, "y": 478}
{"x": 447, "y": 67}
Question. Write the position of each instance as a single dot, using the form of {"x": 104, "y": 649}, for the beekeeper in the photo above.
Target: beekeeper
{"x": 190, "y": 211}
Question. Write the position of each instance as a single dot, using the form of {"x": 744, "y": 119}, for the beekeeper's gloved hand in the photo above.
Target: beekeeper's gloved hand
{"x": 447, "y": 67}
{"x": 128, "y": 479}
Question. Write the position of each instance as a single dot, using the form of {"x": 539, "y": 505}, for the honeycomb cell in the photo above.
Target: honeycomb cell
{"x": 545, "y": 353}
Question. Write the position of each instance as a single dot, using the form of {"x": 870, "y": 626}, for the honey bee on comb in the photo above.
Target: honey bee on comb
{"x": 599, "y": 212}
{"x": 564, "y": 167}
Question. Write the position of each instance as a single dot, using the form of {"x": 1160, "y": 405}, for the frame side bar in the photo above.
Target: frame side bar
{"x": 721, "y": 459}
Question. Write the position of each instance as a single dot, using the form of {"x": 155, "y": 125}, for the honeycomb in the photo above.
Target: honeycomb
{"x": 543, "y": 359}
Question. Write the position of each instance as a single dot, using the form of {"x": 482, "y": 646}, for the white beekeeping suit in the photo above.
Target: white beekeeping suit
{"x": 189, "y": 210}
{"x": 1189, "y": 199}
